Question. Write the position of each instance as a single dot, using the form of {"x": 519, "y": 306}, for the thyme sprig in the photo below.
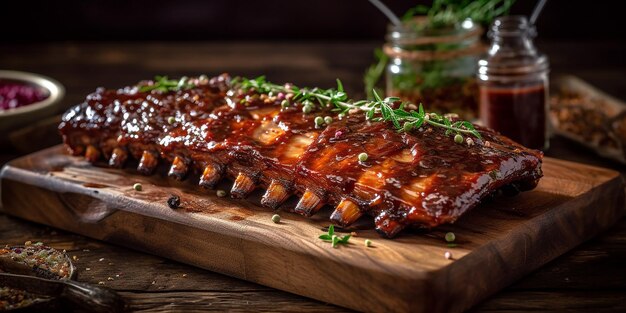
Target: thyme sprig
{"x": 378, "y": 110}
{"x": 334, "y": 239}
{"x": 162, "y": 83}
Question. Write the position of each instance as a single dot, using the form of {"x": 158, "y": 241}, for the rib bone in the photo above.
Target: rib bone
{"x": 244, "y": 184}
{"x": 309, "y": 204}
{"x": 275, "y": 195}
{"x": 148, "y": 162}
{"x": 210, "y": 176}
{"x": 92, "y": 154}
{"x": 179, "y": 169}
{"x": 118, "y": 157}
{"x": 346, "y": 213}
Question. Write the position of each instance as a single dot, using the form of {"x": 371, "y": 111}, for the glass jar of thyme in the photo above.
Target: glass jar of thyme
{"x": 435, "y": 67}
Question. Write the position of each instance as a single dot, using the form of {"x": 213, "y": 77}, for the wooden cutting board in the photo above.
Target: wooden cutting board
{"x": 497, "y": 243}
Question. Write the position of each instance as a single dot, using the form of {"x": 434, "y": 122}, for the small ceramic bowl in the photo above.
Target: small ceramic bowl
{"x": 29, "y": 113}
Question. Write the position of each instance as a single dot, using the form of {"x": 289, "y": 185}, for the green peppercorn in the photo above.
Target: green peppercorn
{"x": 307, "y": 109}
{"x": 137, "y": 186}
{"x": 458, "y": 138}
{"x": 328, "y": 120}
{"x": 407, "y": 126}
{"x": 171, "y": 120}
{"x": 220, "y": 193}
{"x": 450, "y": 237}
{"x": 363, "y": 156}
{"x": 276, "y": 218}
{"x": 368, "y": 243}
{"x": 319, "y": 121}
{"x": 284, "y": 103}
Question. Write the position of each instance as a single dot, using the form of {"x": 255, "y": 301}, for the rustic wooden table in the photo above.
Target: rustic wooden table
{"x": 590, "y": 278}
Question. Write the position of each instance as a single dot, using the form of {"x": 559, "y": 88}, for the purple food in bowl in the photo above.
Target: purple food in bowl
{"x": 14, "y": 94}
{"x": 26, "y": 98}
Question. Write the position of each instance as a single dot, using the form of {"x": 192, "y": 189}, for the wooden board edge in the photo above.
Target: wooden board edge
{"x": 599, "y": 208}
{"x": 333, "y": 281}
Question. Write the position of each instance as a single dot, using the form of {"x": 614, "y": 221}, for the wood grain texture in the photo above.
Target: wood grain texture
{"x": 589, "y": 278}
{"x": 572, "y": 203}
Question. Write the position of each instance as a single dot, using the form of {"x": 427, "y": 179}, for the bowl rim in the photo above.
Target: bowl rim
{"x": 57, "y": 91}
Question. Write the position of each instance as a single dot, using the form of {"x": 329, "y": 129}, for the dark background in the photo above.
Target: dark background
{"x": 337, "y": 20}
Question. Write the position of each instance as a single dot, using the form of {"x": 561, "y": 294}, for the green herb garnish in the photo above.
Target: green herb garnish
{"x": 440, "y": 15}
{"x": 378, "y": 110}
{"x": 162, "y": 83}
{"x": 334, "y": 239}
{"x": 449, "y": 13}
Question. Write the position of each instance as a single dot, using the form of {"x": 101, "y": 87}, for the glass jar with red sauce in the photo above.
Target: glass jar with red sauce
{"x": 513, "y": 83}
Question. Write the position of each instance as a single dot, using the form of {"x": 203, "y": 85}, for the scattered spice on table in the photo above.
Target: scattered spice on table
{"x": 40, "y": 260}
{"x": 44, "y": 261}
{"x": 11, "y": 298}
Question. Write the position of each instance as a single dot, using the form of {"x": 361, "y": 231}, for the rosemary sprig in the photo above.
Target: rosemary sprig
{"x": 378, "y": 110}
{"x": 334, "y": 239}
{"x": 163, "y": 84}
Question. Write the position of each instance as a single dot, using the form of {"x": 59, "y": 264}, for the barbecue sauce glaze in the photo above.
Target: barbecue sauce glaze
{"x": 420, "y": 178}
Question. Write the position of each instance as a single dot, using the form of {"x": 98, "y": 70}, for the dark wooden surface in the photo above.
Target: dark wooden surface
{"x": 589, "y": 278}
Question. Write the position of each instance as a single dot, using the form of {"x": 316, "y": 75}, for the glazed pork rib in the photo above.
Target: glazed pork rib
{"x": 414, "y": 178}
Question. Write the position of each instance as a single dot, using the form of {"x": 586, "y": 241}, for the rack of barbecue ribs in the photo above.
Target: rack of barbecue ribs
{"x": 418, "y": 178}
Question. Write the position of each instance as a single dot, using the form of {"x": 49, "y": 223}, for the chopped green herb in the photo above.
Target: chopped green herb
{"x": 220, "y": 193}
{"x": 306, "y": 109}
{"x": 163, "y": 84}
{"x": 493, "y": 174}
{"x": 284, "y": 103}
{"x": 368, "y": 243}
{"x": 328, "y": 120}
{"x": 137, "y": 186}
{"x": 450, "y": 237}
{"x": 171, "y": 120}
{"x": 334, "y": 239}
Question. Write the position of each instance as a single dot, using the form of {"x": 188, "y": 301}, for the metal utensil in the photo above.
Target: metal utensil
{"x": 92, "y": 298}
{"x": 383, "y": 8}
{"x": 42, "y": 282}
{"x": 537, "y": 11}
